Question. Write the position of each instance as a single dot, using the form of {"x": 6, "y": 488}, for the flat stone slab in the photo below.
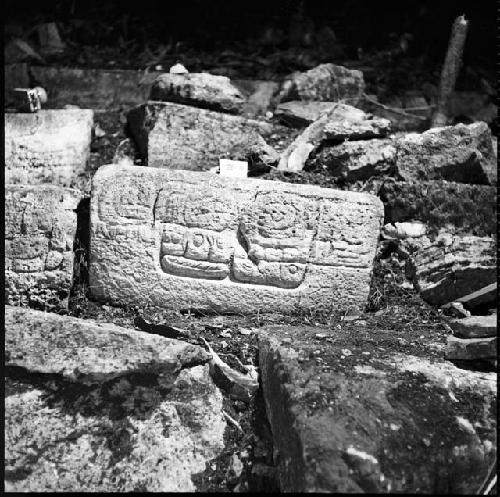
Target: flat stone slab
{"x": 475, "y": 326}
{"x": 181, "y": 239}
{"x": 471, "y": 349}
{"x": 298, "y": 113}
{"x": 350, "y": 415}
{"x": 203, "y": 90}
{"x": 127, "y": 435}
{"x": 89, "y": 352}
{"x": 461, "y": 153}
{"x": 50, "y": 146}
{"x": 470, "y": 208}
{"x": 94, "y": 88}
{"x": 40, "y": 227}
{"x": 452, "y": 267}
{"x": 182, "y": 137}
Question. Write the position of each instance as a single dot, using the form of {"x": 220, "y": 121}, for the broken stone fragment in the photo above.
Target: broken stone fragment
{"x": 298, "y": 113}
{"x": 470, "y": 208}
{"x": 88, "y": 352}
{"x": 461, "y": 153}
{"x": 471, "y": 349}
{"x": 50, "y": 146}
{"x": 404, "y": 230}
{"x": 203, "y": 90}
{"x": 40, "y": 227}
{"x": 178, "y": 136}
{"x": 326, "y": 82}
{"x": 475, "y": 326}
{"x": 451, "y": 267}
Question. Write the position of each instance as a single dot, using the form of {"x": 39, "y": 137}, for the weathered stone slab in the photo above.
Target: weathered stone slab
{"x": 345, "y": 421}
{"x": 461, "y": 153}
{"x": 203, "y": 90}
{"x": 93, "y": 88}
{"x": 89, "y": 352}
{"x": 471, "y": 208}
{"x": 50, "y": 146}
{"x": 126, "y": 435}
{"x": 357, "y": 160}
{"x": 471, "y": 349}
{"x": 182, "y": 137}
{"x": 181, "y": 239}
{"x": 454, "y": 266}
{"x": 40, "y": 226}
{"x": 298, "y": 113}
{"x": 326, "y": 82}
{"x": 475, "y": 326}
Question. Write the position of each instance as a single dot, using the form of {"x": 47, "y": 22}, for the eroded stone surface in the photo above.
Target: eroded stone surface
{"x": 50, "y": 146}
{"x": 298, "y": 113}
{"x": 182, "y": 137}
{"x": 343, "y": 421}
{"x": 475, "y": 326}
{"x": 471, "y": 348}
{"x": 184, "y": 239}
{"x": 40, "y": 226}
{"x": 326, "y": 82}
{"x": 130, "y": 434}
{"x": 203, "y": 90}
{"x": 89, "y": 352}
{"x": 461, "y": 153}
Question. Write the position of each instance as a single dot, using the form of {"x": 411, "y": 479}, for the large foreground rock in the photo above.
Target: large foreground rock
{"x": 203, "y": 90}
{"x": 452, "y": 267}
{"x": 182, "y": 239}
{"x": 326, "y": 82}
{"x": 470, "y": 208}
{"x": 40, "y": 227}
{"x": 350, "y": 416}
{"x": 50, "y": 146}
{"x": 89, "y": 352}
{"x": 461, "y": 153}
{"x": 182, "y": 137}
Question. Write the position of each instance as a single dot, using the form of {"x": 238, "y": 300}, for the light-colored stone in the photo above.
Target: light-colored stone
{"x": 181, "y": 239}
{"x": 454, "y": 266}
{"x": 298, "y": 113}
{"x": 203, "y": 90}
{"x": 475, "y": 326}
{"x": 461, "y": 153}
{"x": 121, "y": 436}
{"x": 326, "y": 82}
{"x": 50, "y": 146}
{"x": 401, "y": 231}
{"x": 88, "y": 352}
{"x": 182, "y": 137}
{"x": 40, "y": 227}
{"x": 471, "y": 349}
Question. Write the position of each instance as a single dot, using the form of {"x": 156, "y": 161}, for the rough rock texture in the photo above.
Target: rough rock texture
{"x": 203, "y": 90}
{"x": 447, "y": 269}
{"x": 127, "y": 435}
{"x": 326, "y": 82}
{"x": 344, "y": 422}
{"x": 298, "y": 113}
{"x": 461, "y": 153}
{"x": 182, "y": 239}
{"x": 50, "y": 146}
{"x": 93, "y": 88}
{"x": 470, "y": 208}
{"x": 40, "y": 226}
{"x": 475, "y": 326}
{"x": 181, "y": 137}
{"x": 471, "y": 349}
{"x": 358, "y": 160}
{"x": 89, "y": 352}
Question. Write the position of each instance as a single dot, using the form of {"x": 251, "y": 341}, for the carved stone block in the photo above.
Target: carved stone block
{"x": 50, "y": 146}
{"x": 181, "y": 239}
{"x": 40, "y": 226}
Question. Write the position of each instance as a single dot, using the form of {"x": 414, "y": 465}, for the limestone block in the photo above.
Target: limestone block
{"x": 89, "y": 352}
{"x": 203, "y": 90}
{"x": 40, "y": 226}
{"x": 50, "y": 146}
{"x": 462, "y": 153}
{"x": 182, "y": 239}
{"x": 475, "y": 326}
{"x": 471, "y": 349}
{"x": 182, "y": 137}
